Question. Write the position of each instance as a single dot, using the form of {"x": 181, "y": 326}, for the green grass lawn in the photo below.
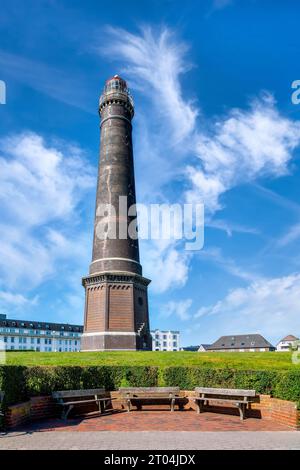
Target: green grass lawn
{"x": 263, "y": 360}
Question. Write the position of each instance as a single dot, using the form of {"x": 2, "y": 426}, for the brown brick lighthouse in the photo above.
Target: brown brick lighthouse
{"x": 116, "y": 301}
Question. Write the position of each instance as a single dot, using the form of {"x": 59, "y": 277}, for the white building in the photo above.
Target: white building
{"x": 286, "y": 343}
{"x": 39, "y": 336}
{"x": 165, "y": 340}
{"x": 203, "y": 347}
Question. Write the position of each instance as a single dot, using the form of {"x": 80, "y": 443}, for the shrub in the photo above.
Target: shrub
{"x": 284, "y": 385}
{"x": 12, "y": 382}
{"x": 288, "y": 386}
{"x": 20, "y": 382}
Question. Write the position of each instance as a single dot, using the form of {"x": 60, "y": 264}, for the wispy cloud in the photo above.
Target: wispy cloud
{"x": 220, "y": 4}
{"x": 242, "y": 146}
{"x": 290, "y": 236}
{"x": 179, "y": 309}
{"x": 155, "y": 60}
{"x": 52, "y": 81}
{"x": 268, "y": 306}
{"x": 17, "y": 300}
{"x": 230, "y": 227}
{"x": 227, "y": 264}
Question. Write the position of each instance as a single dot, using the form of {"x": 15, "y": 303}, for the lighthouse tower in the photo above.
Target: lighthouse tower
{"x": 116, "y": 301}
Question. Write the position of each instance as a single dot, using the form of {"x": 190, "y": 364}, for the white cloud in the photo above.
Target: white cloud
{"x": 180, "y": 309}
{"x": 41, "y": 187}
{"x": 290, "y": 236}
{"x": 154, "y": 62}
{"x": 243, "y": 146}
{"x": 16, "y": 299}
{"x": 238, "y": 148}
{"x": 227, "y": 264}
{"x": 230, "y": 227}
{"x": 165, "y": 264}
{"x": 38, "y": 182}
{"x": 268, "y": 305}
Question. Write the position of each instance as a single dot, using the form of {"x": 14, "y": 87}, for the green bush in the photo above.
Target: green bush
{"x": 20, "y": 382}
{"x": 288, "y": 386}
{"x": 12, "y": 382}
{"x": 284, "y": 385}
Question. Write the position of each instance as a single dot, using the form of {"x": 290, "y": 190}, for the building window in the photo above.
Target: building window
{"x": 32, "y": 340}
{"x": 5, "y": 339}
{"x": 38, "y": 340}
{"x": 12, "y": 339}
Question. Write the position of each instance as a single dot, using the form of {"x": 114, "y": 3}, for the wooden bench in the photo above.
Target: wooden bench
{"x": 68, "y": 399}
{"x": 239, "y": 398}
{"x": 137, "y": 395}
{"x": 1, "y": 401}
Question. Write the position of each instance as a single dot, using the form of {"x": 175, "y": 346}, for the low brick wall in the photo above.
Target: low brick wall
{"x": 38, "y": 408}
{"x": 280, "y": 411}
{"x": 35, "y": 409}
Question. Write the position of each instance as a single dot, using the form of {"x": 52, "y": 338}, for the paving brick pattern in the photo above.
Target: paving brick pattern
{"x": 150, "y": 440}
{"x": 156, "y": 420}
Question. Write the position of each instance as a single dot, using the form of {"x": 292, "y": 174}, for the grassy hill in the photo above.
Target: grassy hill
{"x": 254, "y": 361}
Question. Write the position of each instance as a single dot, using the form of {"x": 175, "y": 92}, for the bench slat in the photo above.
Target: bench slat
{"x": 155, "y": 398}
{"x": 226, "y": 391}
{"x": 78, "y": 402}
{"x": 149, "y": 389}
{"x": 223, "y": 400}
{"x": 78, "y": 393}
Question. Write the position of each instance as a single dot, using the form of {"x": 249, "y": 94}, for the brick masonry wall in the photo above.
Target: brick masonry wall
{"x": 38, "y": 408}
{"x": 280, "y": 411}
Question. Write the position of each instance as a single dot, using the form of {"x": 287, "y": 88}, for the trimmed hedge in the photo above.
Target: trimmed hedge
{"x": 20, "y": 383}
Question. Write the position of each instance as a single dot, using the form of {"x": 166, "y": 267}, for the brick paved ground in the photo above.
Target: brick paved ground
{"x": 182, "y": 440}
{"x": 160, "y": 420}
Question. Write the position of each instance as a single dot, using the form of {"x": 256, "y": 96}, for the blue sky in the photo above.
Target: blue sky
{"x": 214, "y": 122}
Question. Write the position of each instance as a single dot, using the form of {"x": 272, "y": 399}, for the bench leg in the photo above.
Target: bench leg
{"x": 101, "y": 406}
{"x": 65, "y": 413}
{"x": 128, "y": 405}
{"x": 241, "y": 408}
{"x": 199, "y": 405}
{"x": 172, "y": 404}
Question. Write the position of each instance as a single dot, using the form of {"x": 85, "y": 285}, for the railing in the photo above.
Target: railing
{"x": 114, "y": 94}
